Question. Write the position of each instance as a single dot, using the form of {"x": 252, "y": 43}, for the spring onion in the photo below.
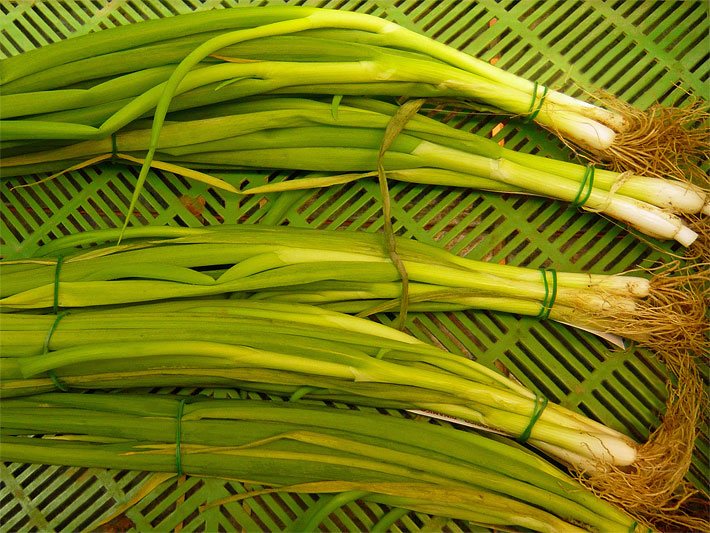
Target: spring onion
{"x": 285, "y": 348}
{"x": 388, "y": 53}
{"x": 348, "y": 271}
{"x": 303, "y": 134}
{"x": 301, "y": 447}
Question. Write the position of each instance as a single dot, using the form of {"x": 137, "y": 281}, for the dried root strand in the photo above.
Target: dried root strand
{"x": 673, "y": 317}
{"x": 661, "y": 141}
{"x": 653, "y": 489}
{"x": 672, "y": 323}
{"x": 700, "y": 251}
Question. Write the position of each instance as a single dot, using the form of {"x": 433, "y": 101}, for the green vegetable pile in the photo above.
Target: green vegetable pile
{"x": 270, "y": 308}
{"x": 293, "y": 447}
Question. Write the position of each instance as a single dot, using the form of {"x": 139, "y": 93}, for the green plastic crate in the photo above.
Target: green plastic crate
{"x": 641, "y": 51}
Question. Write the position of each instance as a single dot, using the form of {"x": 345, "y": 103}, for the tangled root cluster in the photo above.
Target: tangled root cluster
{"x": 673, "y": 321}
{"x": 661, "y": 141}
{"x": 653, "y": 488}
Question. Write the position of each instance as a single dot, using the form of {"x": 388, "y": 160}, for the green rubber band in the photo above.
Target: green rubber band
{"x": 585, "y": 187}
{"x": 553, "y": 295}
{"x": 114, "y": 147}
{"x": 550, "y": 292}
{"x": 48, "y": 338}
{"x": 45, "y": 349}
{"x": 301, "y": 392}
{"x": 534, "y": 97}
{"x": 178, "y": 432}
{"x": 533, "y": 110}
{"x": 535, "y": 113}
{"x": 540, "y": 404}
{"x": 381, "y": 353}
{"x": 57, "y": 270}
{"x": 547, "y": 293}
{"x": 178, "y": 437}
{"x": 58, "y": 383}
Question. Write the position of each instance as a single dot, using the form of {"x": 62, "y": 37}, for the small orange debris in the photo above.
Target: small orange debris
{"x": 496, "y": 130}
{"x": 196, "y": 206}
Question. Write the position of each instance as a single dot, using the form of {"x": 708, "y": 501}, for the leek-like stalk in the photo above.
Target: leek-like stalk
{"x": 414, "y": 465}
{"x": 460, "y": 74}
{"x": 294, "y": 133}
{"x": 256, "y": 258}
{"x": 308, "y": 347}
{"x": 349, "y": 271}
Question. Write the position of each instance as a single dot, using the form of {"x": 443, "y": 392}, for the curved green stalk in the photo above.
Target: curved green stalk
{"x": 303, "y": 444}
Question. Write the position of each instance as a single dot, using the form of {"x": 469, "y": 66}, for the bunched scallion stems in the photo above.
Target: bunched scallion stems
{"x": 347, "y": 269}
{"x": 243, "y": 32}
{"x": 296, "y": 346}
{"x": 350, "y": 271}
{"x": 296, "y": 447}
{"x": 297, "y": 20}
{"x": 297, "y": 133}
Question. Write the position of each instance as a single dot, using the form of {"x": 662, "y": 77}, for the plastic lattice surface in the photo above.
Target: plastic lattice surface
{"x": 643, "y": 52}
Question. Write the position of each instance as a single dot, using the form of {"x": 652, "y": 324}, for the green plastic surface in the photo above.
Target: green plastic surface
{"x": 641, "y": 51}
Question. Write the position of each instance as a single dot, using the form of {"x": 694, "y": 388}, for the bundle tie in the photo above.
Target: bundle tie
{"x": 58, "y": 316}
{"x": 550, "y": 293}
{"x": 533, "y": 111}
{"x": 618, "y": 183}
{"x": 394, "y": 127}
{"x": 114, "y": 147}
{"x": 585, "y": 187}
{"x": 178, "y": 431}
{"x": 57, "y": 270}
{"x": 301, "y": 392}
{"x": 178, "y": 437}
{"x": 540, "y": 404}
{"x": 45, "y": 349}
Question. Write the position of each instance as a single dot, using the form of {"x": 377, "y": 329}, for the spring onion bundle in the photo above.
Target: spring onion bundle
{"x": 90, "y": 86}
{"x": 347, "y": 271}
{"x": 305, "y": 134}
{"x": 351, "y": 271}
{"x": 287, "y": 349}
{"x": 308, "y": 448}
